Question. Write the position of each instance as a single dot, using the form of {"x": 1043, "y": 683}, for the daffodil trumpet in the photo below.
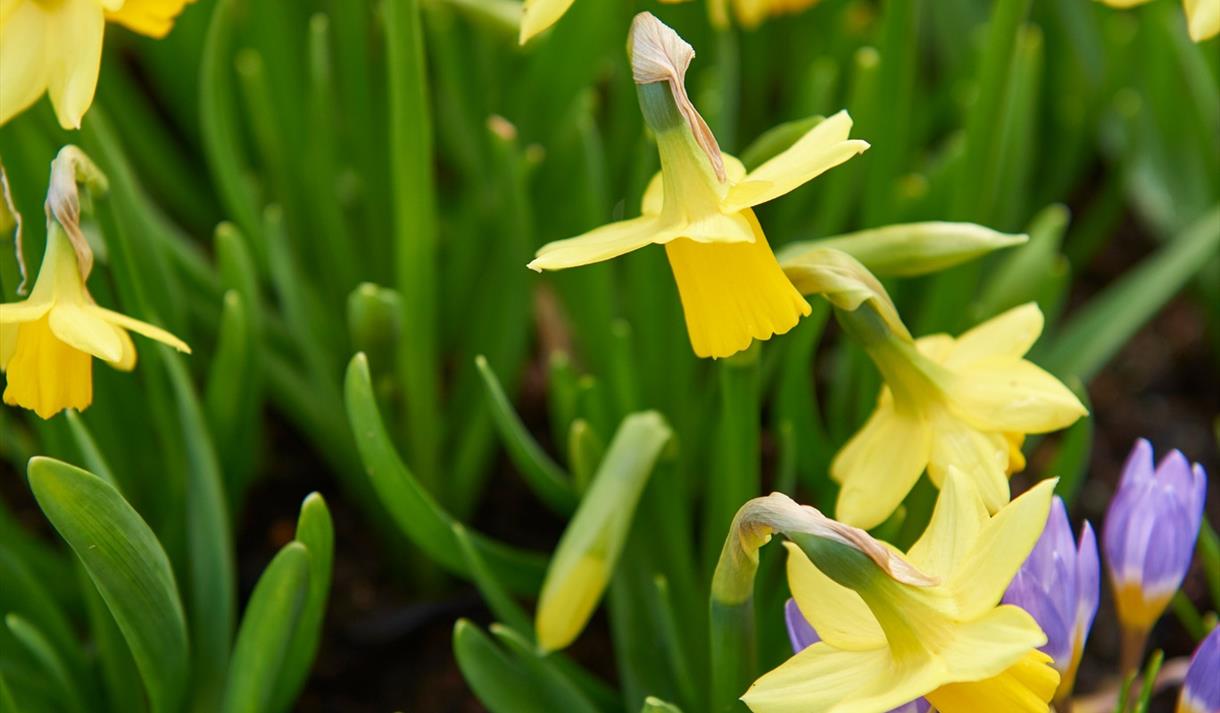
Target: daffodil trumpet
{"x": 886, "y": 640}
{"x": 700, "y": 207}
{"x": 48, "y": 341}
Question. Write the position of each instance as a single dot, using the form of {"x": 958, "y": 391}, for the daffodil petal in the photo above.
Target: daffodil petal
{"x": 733, "y": 293}
{"x": 1202, "y": 18}
{"x": 654, "y": 194}
{"x": 26, "y": 311}
{"x": 127, "y": 360}
{"x": 981, "y": 455}
{"x": 538, "y": 15}
{"x": 880, "y": 465}
{"x": 821, "y": 148}
{"x": 152, "y": 332}
{"x": 1123, "y": 3}
{"x": 1009, "y": 334}
{"x": 837, "y": 613}
{"x": 1025, "y": 687}
{"x": 76, "y": 60}
{"x": 936, "y": 347}
{"x": 608, "y": 241}
{"x": 822, "y": 678}
{"x": 23, "y": 65}
{"x": 980, "y": 578}
{"x": 46, "y": 375}
{"x": 8, "y": 343}
{"x": 76, "y": 327}
{"x": 1004, "y": 394}
{"x": 958, "y": 517}
{"x": 154, "y": 18}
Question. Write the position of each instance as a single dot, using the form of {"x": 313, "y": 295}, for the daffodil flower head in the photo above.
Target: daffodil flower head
{"x": 47, "y": 341}
{"x": 699, "y": 207}
{"x": 885, "y": 642}
{"x": 966, "y": 402}
{"x": 55, "y": 46}
{"x": 751, "y": 13}
{"x": 1202, "y": 16}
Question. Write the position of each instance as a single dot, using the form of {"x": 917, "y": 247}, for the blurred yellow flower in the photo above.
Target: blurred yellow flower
{"x": 1202, "y": 16}
{"x": 55, "y": 46}
{"x": 751, "y": 13}
{"x": 699, "y": 207}
{"x": 886, "y": 642}
{"x": 964, "y": 402}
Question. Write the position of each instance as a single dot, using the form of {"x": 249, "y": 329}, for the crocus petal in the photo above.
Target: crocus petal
{"x": 603, "y": 243}
{"x": 45, "y": 374}
{"x": 1001, "y": 394}
{"x": 1023, "y": 688}
{"x": 75, "y": 60}
{"x": 837, "y": 613}
{"x": 956, "y": 521}
{"x": 154, "y": 18}
{"x": 980, "y": 578}
{"x": 821, "y": 148}
{"x": 733, "y": 293}
{"x": 1088, "y": 583}
{"x": 144, "y": 328}
{"x": 76, "y": 327}
{"x": 821, "y": 678}
{"x": 800, "y": 634}
{"x": 1010, "y": 334}
{"x": 1202, "y": 18}
{"x": 984, "y": 456}
{"x": 880, "y": 464}
{"x": 23, "y": 57}
{"x": 1201, "y": 689}
{"x": 538, "y": 15}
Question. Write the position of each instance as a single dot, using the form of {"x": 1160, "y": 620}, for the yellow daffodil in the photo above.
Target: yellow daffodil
{"x": 886, "y": 642}
{"x": 1202, "y": 16}
{"x": 699, "y": 207}
{"x": 751, "y": 13}
{"x": 965, "y": 402}
{"x": 47, "y": 341}
{"x": 55, "y": 46}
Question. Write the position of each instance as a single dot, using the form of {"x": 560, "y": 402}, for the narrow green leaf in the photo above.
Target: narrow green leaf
{"x": 92, "y": 455}
{"x": 1071, "y": 461}
{"x": 37, "y": 644}
{"x": 1149, "y": 687}
{"x": 231, "y": 397}
{"x": 653, "y": 704}
{"x": 415, "y": 511}
{"x": 316, "y": 531}
{"x": 493, "y": 592}
{"x": 129, "y": 567}
{"x": 548, "y": 481}
{"x": 735, "y": 476}
{"x": 564, "y": 694}
{"x": 266, "y": 633}
{"x": 500, "y": 682}
{"x": 119, "y": 672}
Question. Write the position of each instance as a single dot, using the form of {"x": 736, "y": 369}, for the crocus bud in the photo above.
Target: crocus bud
{"x": 1201, "y": 689}
{"x": 1059, "y": 586}
{"x": 802, "y": 636}
{"x": 1149, "y": 538}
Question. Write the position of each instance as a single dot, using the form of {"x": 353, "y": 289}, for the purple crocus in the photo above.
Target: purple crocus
{"x": 1201, "y": 689}
{"x": 1059, "y": 585}
{"x": 802, "y": 636}
{"x": 1149, "y": 539}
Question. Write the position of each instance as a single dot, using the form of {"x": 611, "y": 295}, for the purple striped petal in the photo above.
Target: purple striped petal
{"x": 1088, "y": 583}
{"x": 800, "y": 633}
{"x": 1201, "y": 689}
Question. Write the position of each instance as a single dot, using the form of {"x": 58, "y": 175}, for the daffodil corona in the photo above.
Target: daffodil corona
{"x": 886, "y": 642}
{"x": 699, "y": 207}
{"x": 55, "y": 46}
{"x": 966, "y": 402}
{"x": 47, "y": 342}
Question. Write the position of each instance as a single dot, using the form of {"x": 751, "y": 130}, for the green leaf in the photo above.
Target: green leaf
{"x": 231, "y": 398}
{"x": 129, "y": 567}
{"x": 653, "y": 704}
{"x": 501, "y": 681}
{"x": 1071, "y": 461}
{"x": 316, "y": 531}
{"x": 119, "y": 672}
{"x": 493, "y": 592}
{"x": 49, "y": 659}
{"x": 545, "y": 478}
{"x": 1100, "y": 329}
{"x": 564, "y": 693}
{"x": 266, "y": 632}
{"x": 414, "y": 510}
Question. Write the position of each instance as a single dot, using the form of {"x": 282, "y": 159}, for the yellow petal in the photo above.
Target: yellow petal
{"x": 126, "y": 361}
{"x": 23, "y": 65}
{"x": 733, "y": 293}
{"x": 1123, "y": 3}
{"x": 837, "y": 613}
{"x": 980, "y": 578}
{"x": 608, "y": 241}
{"x": 958, "y": 517}
{"x": 76, "y": 327}
{"x": 75, "y": 59}
{"x": 25, "y": 311}
{"x": 154, "y": 18}
{"x": 1004, "y": 394}
{"x": 822, "y": 678}
{"x": 1202, "y": 18}
{"x": 981, "y": 455}
{"x": 567, "y": 602}
{"x": 8, "y": 343}
{"x": 654, "y": 195}
{"x": 880, "y": 465}
{"x": 152, "y": 332}
{"x": 1025, "y": 687}
{"x": 1009, "y": 334}
{"x": 822, "y": 148}
{"x": 538, "y": 15}
{"x": 936, "y": 347}
{"x": 46, "y": 375}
